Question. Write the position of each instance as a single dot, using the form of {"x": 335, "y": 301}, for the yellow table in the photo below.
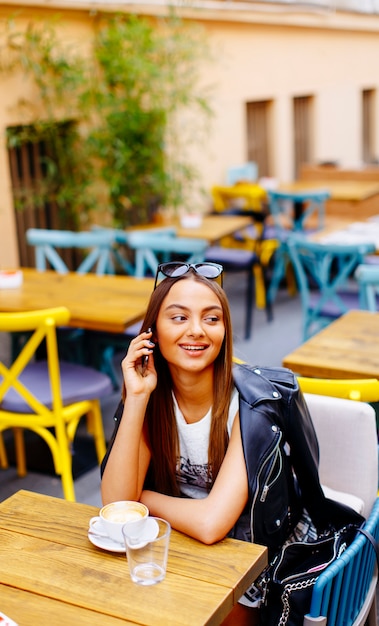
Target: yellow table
{"x": 50, "y": 573}
{"x": 347, "y": 348}
{"x": 104, "y": 303}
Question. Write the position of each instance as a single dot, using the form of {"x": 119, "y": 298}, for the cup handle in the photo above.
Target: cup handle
{"x": 94, "y": 524}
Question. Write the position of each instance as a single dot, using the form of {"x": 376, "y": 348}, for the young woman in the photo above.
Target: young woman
{"x": 216, "y": 450}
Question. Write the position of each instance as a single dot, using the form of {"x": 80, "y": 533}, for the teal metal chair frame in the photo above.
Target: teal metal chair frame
{"x": 99, "y": 243}
{"x": 289, "y": 213}
{"x": 367, "y": 277}
{"x": 344, "y": 594}
{"x": 323, "y": 272}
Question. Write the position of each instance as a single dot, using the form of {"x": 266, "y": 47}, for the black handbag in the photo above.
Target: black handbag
{"x": 291, "y": 576}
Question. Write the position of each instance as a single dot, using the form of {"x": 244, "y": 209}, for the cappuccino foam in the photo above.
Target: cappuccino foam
{"x": 122, "y": 512}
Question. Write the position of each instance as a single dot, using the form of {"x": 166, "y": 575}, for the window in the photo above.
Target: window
{"x": 303, "y": 126}
{"x": 36, "y": 178}
{"x": 258, "y": 135}
{"x": 368, "y": 125}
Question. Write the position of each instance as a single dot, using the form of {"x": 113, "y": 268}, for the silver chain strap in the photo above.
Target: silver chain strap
{"x": 286, "y": 595}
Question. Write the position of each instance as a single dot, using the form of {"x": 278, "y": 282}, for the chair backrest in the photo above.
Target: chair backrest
{"x": 323, "y": 271}
{"x": 361, "y": 389}
{"x": 154, "y": 248}
{"x": 346, "y": 432}
{"x": 344, "y": 594}
{"x": 291, "y": 210}
{"x": 122, "y": 245}
{"x": 42, "y": 325}
{"x": 97, "y": 244}
{"x": 367, "y": 277}
{"x": 246, "y": 172}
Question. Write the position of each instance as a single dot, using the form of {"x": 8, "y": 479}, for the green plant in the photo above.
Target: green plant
{"x": 124, "y": 147}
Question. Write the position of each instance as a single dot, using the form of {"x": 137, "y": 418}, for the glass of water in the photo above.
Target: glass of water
{"x": 147, "y": 550}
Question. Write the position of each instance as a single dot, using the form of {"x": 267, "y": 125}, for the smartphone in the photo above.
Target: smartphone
{"x": 145, "y": 360}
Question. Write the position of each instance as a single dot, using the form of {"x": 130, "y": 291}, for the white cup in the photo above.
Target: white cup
{"x": 147, "y": 550}
{"x": 114, "y": 515}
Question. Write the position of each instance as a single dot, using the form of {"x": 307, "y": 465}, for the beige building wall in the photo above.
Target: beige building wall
{"x": 259, "y": 55}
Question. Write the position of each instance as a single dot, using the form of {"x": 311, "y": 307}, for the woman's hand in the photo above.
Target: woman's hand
{"x": 140, "y": 376}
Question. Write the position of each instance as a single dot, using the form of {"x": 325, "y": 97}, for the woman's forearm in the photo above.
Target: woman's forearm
{"x": 201, "y": 519}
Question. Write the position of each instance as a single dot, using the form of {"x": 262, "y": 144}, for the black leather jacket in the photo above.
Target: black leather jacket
{"x": 281, "y": 454}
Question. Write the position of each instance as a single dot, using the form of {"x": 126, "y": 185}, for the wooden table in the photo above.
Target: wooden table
{"x": 212, "y": 229}
{"x": 51, "y": 574}
{"x": 347, "y": 348}
{"x": 105, "y": 303}
{"x": 355, "y": 199}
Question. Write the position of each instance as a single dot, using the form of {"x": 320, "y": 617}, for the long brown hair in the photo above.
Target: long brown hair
{"x": 160, "y": 420}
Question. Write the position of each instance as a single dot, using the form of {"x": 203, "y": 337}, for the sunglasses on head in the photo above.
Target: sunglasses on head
{"x": 174, "y": 269}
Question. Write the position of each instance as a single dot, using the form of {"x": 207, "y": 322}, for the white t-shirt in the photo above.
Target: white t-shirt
{"x": 192, "y": 468}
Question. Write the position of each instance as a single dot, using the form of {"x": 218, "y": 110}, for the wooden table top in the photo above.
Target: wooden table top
{"x": 212, "y": 229}
{"x": 105, "y": 303}
{"x": 347, "y": 348}
{"x": 51, "y": 573}
{"x": 354, "y": 190}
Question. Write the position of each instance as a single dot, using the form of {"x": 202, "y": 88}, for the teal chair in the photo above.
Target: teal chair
{"x": 367, "y": 277}
{"x": 325, "y": 279}
{"x": 344, "y": 594}
{"x": 96, "y": 248}
{"x": 289, "y": 213}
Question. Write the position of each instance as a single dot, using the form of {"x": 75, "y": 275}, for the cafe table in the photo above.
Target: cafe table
{"x": 51, "y": 573}
{"x": 355, "y": 199}
{"x": 212, "y": 227}
{"x": 346, "y": 348}
{"x": 102, "y": 303}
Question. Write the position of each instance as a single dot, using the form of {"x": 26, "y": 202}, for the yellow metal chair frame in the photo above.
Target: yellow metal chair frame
{"x": 56, "y": 425}
{"x": 361, "y": 389}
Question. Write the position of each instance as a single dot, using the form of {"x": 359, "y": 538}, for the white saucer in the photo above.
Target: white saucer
{"x": 105, "y": 543}
{"x": 150, "y": 531}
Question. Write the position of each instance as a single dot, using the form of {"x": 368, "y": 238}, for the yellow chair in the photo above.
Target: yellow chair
{"x": 361, "y": 389}
{"x": 48, "y": 397}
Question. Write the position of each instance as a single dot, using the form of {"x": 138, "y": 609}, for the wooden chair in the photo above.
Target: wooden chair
{"x": 323, "y": 272}
{"x": 345, "y": 592}
{"x": 49, "y": 397}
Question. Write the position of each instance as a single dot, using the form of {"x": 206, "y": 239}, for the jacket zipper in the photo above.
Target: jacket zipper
{"x": 266, "y": 487}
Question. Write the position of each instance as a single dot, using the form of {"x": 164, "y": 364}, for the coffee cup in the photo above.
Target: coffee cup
{"x": 114, "y": 515}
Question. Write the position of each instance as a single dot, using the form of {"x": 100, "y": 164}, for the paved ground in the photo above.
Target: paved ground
{"x": 268, "y": 344}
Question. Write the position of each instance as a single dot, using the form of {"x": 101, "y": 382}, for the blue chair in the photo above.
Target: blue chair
{"x": 247, "y": 172}
{"x": 345, "y": 593}
{"x": 367, "y": 277}
{"x": 291, "y": 212}
{"x": 96, "y": 251}
{"x": 323, "y": 272}
{"x": 97, "y": 246}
